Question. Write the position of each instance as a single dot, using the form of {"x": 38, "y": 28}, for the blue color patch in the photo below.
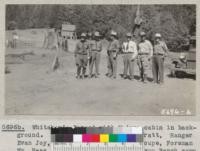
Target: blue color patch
{"x": 122, "y": 138}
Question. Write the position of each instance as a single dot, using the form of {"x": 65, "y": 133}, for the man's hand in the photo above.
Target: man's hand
{"x": 132, "y": 59}
{"x": 149, "y": 58}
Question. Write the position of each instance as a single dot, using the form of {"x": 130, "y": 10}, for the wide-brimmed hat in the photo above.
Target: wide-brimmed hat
{"x": 128, "y": 35}
{"x": 142, "y": 33}
{"x": 83, "y": 35}
{"x": 158, "y": 35}
{"x": 113, "y": 33}
{"x": 96, "y": 34}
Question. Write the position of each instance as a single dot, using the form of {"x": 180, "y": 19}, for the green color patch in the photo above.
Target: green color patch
{"x": 112, "y": 138}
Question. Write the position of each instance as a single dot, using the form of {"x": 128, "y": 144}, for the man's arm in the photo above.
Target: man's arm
{"x": 123, "y": 48}
{"x": 76, "y": 50}
{"x": 150, "y": 49}
{"x": 101, "y": 46}
{"x": 135, "y": 52}
{"x": 117, "y": 47}
{"x": 89, "y": 50}
{"x": 165, "y": 49}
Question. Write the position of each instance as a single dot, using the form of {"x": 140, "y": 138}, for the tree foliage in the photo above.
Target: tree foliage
{"x": 174, "y": 22}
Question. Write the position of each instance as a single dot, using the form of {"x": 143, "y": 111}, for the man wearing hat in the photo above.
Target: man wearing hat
{"x": 96, "y": 48}
{"x": 82, "y": 56}
{"x": 160, "y": 51}
{"x": 129, "y": 49}
{"x": 145, "y": 53}
{"x": 112, "y": 51}
{"x": 90, "y": 41}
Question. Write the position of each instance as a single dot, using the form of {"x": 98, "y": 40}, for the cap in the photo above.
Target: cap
{"x": 128, "y": 35}
{"x": 142, "y": 33}
{"x": 96, "y": 34}
{"x": 158, "y": 35}
{"x": 113, "y": 33}
{"x": 83, "y": 35}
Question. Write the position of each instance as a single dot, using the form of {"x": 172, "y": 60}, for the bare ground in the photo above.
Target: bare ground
{"x": 32, "y": 89}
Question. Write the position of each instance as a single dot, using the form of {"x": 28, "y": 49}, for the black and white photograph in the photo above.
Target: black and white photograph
{"x": 100, "y": 60}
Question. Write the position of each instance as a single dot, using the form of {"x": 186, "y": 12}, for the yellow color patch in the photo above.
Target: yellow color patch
{"x": 104, "y": 138}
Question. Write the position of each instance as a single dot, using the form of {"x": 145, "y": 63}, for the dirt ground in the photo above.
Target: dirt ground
{"x": 32, "y": 89}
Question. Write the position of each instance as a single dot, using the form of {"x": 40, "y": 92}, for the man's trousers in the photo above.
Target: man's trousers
{"x": 95, "y": 60}
{"x": 158, "y": 68}
{"x": 128, "y": 64}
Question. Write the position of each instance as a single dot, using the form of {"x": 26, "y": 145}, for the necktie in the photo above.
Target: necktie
{"x": 83, "y": 48}
{"x": 127, "y": 46}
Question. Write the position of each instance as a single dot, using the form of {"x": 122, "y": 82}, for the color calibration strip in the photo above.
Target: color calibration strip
{"x": 97, "y": 134}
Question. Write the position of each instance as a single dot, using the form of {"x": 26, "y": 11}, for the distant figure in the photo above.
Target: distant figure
{"x": 46, "y": 34}
{"x": 65, "y": 43}
{"x": 129, "y": 49}
{"x": 57, "y": 43}
{"x": 145, "y": 54}
{"x": 15, "y": 37}
{"x": 159, "y": 53}
{"x": 186, "y": 45}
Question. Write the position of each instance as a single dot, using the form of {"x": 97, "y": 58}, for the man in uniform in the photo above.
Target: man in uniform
{"x": 112, "y": 51}
{"x": 82, "y": 56}
{"x": 96, "y": 48}
{"x": 129, "y": 49}
{"x": 160, "y": 51}
{"x": 145, "y": 53}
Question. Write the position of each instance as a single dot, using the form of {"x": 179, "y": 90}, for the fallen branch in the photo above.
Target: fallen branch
{"x": 21, "y": 55}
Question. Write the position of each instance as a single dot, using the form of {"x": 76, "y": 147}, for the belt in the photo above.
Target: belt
{"x": 159, "y": 54}
{"x": 127, "y": 52}
{"x": 143, "y": 53}
{"x": 112, "y": 50}
{"x": 82, "y": 53}
{"x": 95, "y": 50}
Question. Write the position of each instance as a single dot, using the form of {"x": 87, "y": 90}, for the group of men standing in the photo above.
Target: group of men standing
{"x": 142, "y": 52}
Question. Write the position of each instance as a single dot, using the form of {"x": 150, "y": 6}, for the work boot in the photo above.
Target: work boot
{"x": 145, "y": 78}
{"x": 125, "y": 76}
{"x": 78, "y": 77}
{"x": 113, "y": 77}
{"x": 83, "y": 72}
{"x": 96, "y": 76}
{"x": 90, "y": 76}
{"x": 108, "y": 74}
{"x": 131, "y": 78}
{"x": 82, "y": 76}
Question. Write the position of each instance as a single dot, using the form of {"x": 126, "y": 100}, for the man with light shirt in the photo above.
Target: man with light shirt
{"x": 145, "y": 54}
{"x": 129, "y": 48}
{"x": 160, "y": 51}
{"x": 112, "y": 52}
